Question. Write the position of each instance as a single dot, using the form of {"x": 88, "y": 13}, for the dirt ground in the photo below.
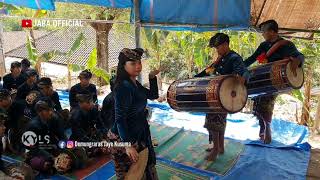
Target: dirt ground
{"x": 314, "y": 165}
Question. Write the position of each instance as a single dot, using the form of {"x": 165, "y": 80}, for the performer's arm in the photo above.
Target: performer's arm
{"x": 206, "y": 72}
{"x": 250, "y": 60}
{"x": 293, "y": 52}
{"x": 153, "y": 92}
{"x": 201, "y": 74}
{"x": 240, "y": 69}
{"x": 123, "y": 100}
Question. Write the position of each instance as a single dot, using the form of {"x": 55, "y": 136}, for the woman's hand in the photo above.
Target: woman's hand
{"x": 132, "y": 153}
{"x": 153, "y": 73}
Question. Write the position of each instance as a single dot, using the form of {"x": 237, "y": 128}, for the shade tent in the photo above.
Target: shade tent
{"x": 34, "y": 4}
{"x": 299, "y": 15}
{"x": 206, "y": 15}
{"x": 201, "y": 14}
{"x": 105, "y": 3}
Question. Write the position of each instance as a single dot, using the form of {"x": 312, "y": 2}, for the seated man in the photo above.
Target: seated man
{"x": 46, "y": 124}
{"x": 84, "y": 85}
{"x": 5, "y": 104}
{"x": 29, "y": 85}
{"x": 26, "y": 66}
{"x": 46, "y": 90}
{"x": 20, "y": 114}
{"x": 12, "y": 170}
{"x": 85, "y": 120}
{"x": 13, "y": 80}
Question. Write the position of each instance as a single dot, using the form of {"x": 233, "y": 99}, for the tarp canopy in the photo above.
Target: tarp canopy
{"x": 34, "y": 4}
{"x": 105, "y": 3}
{"x": 204, "y": 15}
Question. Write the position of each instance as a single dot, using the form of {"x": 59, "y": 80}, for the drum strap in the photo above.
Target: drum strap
{"x": 276, "y": 46}
{"x": 263, "y": 58}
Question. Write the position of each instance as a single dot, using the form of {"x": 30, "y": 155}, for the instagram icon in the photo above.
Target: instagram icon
{"x": 70, "y": 144}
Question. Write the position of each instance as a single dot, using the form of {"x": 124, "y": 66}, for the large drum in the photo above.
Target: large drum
{"x": 275, "y": 77}
{"x": 217, "y": 94}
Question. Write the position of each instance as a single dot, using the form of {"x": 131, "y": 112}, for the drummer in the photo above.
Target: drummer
{"x": 274, "y": 48}
{"x": 228, "y": 62}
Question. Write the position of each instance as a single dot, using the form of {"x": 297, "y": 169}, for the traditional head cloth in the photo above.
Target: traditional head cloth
{"x": 44, "y": 81}
{"x": 15, "y": 64}
{"x": 85, "y": 74}
{"x": 218, "y": 39}
{"x": 269, "y": 25}
{"x": 42, "y": 105}
{"x": 31, "y": 72}
{"x": 127, "y": 54}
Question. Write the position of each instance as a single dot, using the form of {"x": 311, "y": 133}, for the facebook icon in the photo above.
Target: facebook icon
{"x": 62, "y": 144}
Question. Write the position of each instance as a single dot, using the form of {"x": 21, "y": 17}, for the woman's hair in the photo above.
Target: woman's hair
{"x": 124, "y": 56}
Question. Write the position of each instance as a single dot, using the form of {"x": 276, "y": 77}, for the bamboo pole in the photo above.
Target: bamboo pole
{"x": 137, "y": 31}
{"x": 2, "y": 58}
{"x": 307, "y": 94}
{"x": 317, "y": 119}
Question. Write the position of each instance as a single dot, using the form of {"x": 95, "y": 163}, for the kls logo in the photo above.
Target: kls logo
{"x": 29, "y": 138}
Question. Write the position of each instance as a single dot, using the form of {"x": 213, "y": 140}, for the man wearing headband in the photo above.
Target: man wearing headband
{"x": 46, "y": 90}
{"x": 85, "y": 119}
{"x": 274, "y": 48}
{"x": 29, "y": 85}
{"x": 228, "y": 62}
{"x": 13, "y": 80}
{"x": 84, "y": 85}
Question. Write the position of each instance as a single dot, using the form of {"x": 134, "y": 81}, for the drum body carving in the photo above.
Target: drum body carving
{"x": 217, "y": 94}
{"x": 272, "y": 78}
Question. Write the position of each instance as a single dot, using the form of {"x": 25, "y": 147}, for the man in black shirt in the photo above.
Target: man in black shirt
{"x": 29, "y": 85}
{"x": 84, "y": 85}
{"x": 85, "y": 120}
{"x": 274, "y": 48}
{"x": 46, "y": 124}
{"x": 228, "y": 62}
{"x": 46, "y": 90}
{"x": 13, "y": 80}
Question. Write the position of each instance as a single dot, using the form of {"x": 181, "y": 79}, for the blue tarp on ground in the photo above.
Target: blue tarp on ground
{"x": 240, "y": 126}
{"x": 287, "y": 157}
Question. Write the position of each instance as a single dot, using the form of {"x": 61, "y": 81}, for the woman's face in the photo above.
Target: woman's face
{"x": 133, "y": 68}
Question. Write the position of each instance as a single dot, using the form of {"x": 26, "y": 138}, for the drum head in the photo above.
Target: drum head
{"x": 233, "y": 95}
{"x": 295, "y": 81}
